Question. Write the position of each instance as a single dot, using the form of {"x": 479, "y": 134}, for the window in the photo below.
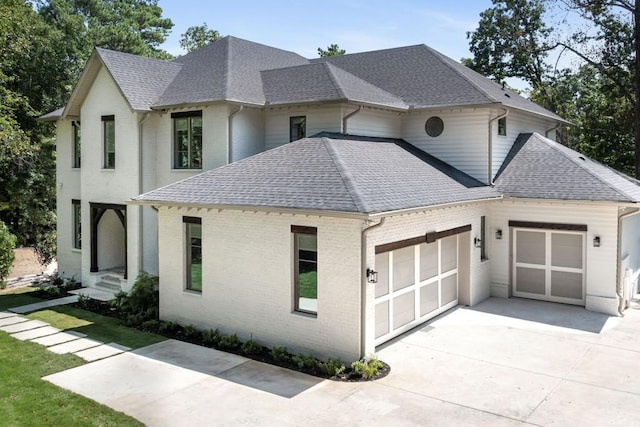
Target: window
{"x": 434, "y": 126}
{"x": 502, "y": 126}
{"x": 77, "y": 224}
{"x": 483, "y": 238}
{"x": 76, "y": 144}
{"x": 306, "y": 269}
{"x": 297, "y": 128}
{"x": 109, "y": 141}
{"x": 193, "y": 233}
{"x": 187, "y": 140}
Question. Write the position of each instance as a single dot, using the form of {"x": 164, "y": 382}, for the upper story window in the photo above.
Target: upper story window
{"x": 305, "y": 260}
{"x": 187, "y": 140}
{"x": 76, "y": 144}
{"x": 502, "y": 126}
{"x": 434, "y": 126}
{"x": 109, "y": 142}
{"x": 297, "y": 128}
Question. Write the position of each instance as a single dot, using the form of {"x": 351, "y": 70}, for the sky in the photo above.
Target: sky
{"x": 355, "y": 25}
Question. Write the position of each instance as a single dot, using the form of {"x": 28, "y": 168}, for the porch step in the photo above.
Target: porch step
{"x": 112, "y": 279}
{"x": 108, "y": 286}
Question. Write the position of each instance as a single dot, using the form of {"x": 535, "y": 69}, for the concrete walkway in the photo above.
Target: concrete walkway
{"x": 503, "y": 362}
{"x": 44, "y": 304}
{"x": 54, "y": 339}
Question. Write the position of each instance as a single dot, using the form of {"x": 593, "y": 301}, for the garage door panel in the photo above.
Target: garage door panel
{"x": 428, "y": 260}
{"x": 449, "y": 287}
{"x": 530, "y": 247}
{"x": 428, "y": 298}
{"x": 403, "y": 309}
{"x": 403, "y": 268}
{"x": 530, "y": 280}
{"x": 382, "y": 265}
{"x": 566, "y": 250}
{"x": 382, "y": 318}
{"x": 449, "y": 254}
{"x": 566, "y": 284}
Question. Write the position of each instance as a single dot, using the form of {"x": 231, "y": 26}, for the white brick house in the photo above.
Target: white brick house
{"x": 429, "y": 186}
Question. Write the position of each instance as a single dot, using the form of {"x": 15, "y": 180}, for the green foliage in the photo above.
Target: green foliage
{"x": 191, "y": 332}
{"x": 332, "y": 50}
{"x": 211, "y": 337}
{"x": 366, "y": 369}
{"x": 305, "y": 361}
{"x": 198, "y": 36}
{"x": 143, "y": 300}
{"x": 252, "y": 347}
{"x": 230, "y": 342}
{"x": 7, "y": 256}
{"x": 280, "y": 354}
{"x": 332, "y": 367}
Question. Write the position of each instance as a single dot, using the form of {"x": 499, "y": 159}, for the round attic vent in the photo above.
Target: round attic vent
{"x": 434, "y": 126}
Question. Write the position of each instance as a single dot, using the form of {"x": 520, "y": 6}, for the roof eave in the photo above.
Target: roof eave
{"x": 433, "y": 207}
{"x": 340, "y": 101}
{"x": 159, "y": 107}
{"x": 507, "y": 198}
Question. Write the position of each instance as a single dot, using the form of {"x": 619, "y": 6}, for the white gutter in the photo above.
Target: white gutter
{"x": 363, "y": 291}
{"x": 230, "y": 133}
{"x": 141, "y": 122}
{"x": 619, "y": 290}
{"x": 490, "y": 144}
{"x": 349, "y": 115}
{"x": 548, "y": 131}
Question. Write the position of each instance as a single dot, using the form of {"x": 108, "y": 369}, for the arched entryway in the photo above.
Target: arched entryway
{"x": 112, "y": 242}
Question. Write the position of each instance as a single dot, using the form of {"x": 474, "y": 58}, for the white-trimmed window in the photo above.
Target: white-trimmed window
{"x": 193, "y": 261}
{"x": 305, "y": 258}
{"x": 502, "y": 126}
{"x": 187, "y": 140}
{"x": 77, "y": 223}
{"x": 297, "y": 128}
{"x": 109, "y": 142}
{"x": 483, "y": 239}
{"x": 75, "y": 134}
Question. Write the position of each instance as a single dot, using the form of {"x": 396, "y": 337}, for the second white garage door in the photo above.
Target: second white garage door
{"x": 415, "y": 283}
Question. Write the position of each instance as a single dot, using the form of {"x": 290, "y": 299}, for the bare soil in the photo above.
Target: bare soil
{"x": 26, "y": 263}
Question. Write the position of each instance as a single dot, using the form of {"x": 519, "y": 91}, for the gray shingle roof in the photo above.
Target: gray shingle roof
{"x": 226, "y": 70}
{"x": 322, "y": 82}
{"x": 329, "y": 172}
{"x": 141, "y": 80}
{"x": 52, "y": 116}
{"x": 539, "y": 168}
{"x": 425, "y": 78}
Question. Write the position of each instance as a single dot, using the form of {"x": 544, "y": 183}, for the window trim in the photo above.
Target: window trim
{"x": 484, "y": 256}
{"x": 502, "y": 126}
{"x": 308, "y": 231}
{"x": 105, "y": 146}
{"x": 188, "y": 221}
{"x": 76, "y": 225}
{"x": 304, "y": 130}
{"x": 76, "y": 144}
{"x": 184, "y": 115}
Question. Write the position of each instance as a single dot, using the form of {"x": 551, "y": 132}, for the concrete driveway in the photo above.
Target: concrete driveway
{"x": 503, "y": 362}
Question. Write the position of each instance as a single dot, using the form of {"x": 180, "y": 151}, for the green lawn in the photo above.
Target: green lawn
{"x": 27, "y": 400}
{"x": 95, "y": 326}
{"x": 308, "y": 284}
{"x": 16, "y": 297}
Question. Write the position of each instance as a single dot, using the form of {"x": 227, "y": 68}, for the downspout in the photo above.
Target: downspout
{"x": 363, "y": 291}
{"x": 141, "y": 122}
{"x": 230, "y": 133}
{"x": 548, "y": 131}
{"x": 348, "y": 116}
{"x": 618, "y": 272}
{"x": 490, "y": 153}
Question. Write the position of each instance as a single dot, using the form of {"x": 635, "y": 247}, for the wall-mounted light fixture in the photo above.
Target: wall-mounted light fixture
{"x": 372, "y": 276}
{"x": 477, "y": 242}
{"x": 596, "y": 242}
{"x": 498, "y": 234}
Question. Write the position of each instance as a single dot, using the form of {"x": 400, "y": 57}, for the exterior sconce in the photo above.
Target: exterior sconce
{"x": 596, "y": 242}
{"x": 498, "y": 234}
{"x": 372, "y": 276}
{"x": 477, "y": 242}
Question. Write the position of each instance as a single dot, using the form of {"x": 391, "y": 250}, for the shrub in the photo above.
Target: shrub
{"x": 83, "y": 301}
{"x": 7, "y": 256}
{"x": 305, "y": 361}
{"x": 211, "y": 338}
{"x": 150, "y": 325}
{"x": 119, "y": 301}
{"x": 280, "y": 354}
{"x": 57, "y": 280}
{"x": 366, "y": 368}
{"x": 251, "y": 347}
{"x": 332, "y": 367}
{"x": 230, "y": 342}
{"x": 142, "y": 302}
{"x": 191, "y": 333}
{"x": 168, "y": 327}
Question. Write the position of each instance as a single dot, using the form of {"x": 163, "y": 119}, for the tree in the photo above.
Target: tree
{"x": 332, "y": 50}
{"x": 198, "y": 36}
{"x": 7, "y": 256}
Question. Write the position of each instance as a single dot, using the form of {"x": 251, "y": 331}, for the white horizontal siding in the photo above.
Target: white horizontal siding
{"x": 368, "y": 122}
{"x": 601, "y": 220}
{"x": 463, "y": 143}
{"x": 247, "y": 134}
{"x": 319, "y": 119}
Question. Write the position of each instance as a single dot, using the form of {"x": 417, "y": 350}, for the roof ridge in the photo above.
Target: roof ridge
{"x": 334, "y": 79}
{"x": 554, "y": 145}
{"x": 349, "y": 185}
{"x": 455, "y": 70}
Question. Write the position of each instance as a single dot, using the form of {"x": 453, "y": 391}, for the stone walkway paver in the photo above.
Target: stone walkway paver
{"x": 5, "y": 314}
{"x": 44, "y": 304}
{"x": 58, "y": 338}
{"x": 23, "y": 326}
{"x": 74, "y": 346}
{"x": 101, "y": 351}
{"x": 11, "y": 320}
{"x": 32, "y": 334}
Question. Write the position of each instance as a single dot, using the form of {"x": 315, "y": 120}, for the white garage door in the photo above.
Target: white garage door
{"x": 415, "y": 283}
{"x": 549, "y": 265}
